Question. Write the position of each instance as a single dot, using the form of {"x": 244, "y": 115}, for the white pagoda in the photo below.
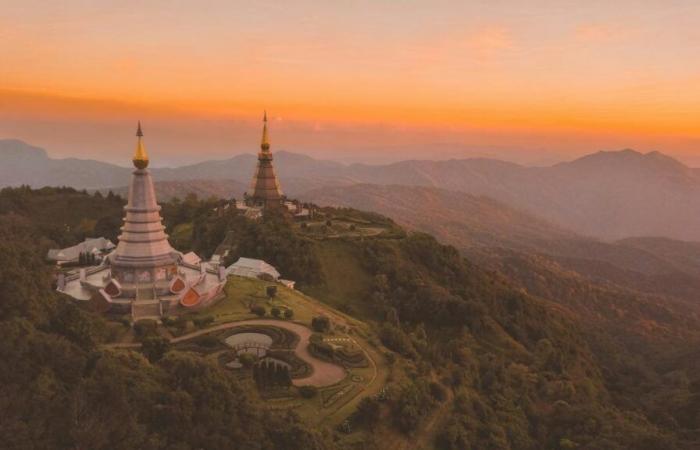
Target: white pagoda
{"x": 144, "y": 275}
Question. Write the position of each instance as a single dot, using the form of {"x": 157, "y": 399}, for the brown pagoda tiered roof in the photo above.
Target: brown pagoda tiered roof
{"x": 265, "y": 187}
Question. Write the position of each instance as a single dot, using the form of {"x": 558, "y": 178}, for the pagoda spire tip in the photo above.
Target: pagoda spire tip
{"x": 140, "y": 159}
{"x": 265, "y": 142}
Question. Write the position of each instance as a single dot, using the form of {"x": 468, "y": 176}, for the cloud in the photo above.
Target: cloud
{"x": 490, "y": 41}
{"x": 594, "y": 33}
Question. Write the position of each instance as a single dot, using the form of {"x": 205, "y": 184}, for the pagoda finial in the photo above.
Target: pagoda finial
{"x": 140, "y": 159}
{"x": 265, "y": 143}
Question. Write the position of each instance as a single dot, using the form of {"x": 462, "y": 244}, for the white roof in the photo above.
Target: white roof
{"x": 288, "y": 283}
{"x": 248, "y": 267}
{"x": 89, "y": 245}
{"x": 191, "y": 258}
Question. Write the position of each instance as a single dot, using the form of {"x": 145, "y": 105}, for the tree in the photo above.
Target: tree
{"x": 155, "y": 347}
{"x": 392, "y": 316}
{"x": 288, "y": 313}
{"x": 368, "y": 412}
{"x": 271, "y": 291}
{"x": 276, "y": 374}
{"x": 275, "y": 311}
{"x": 257, "y": 377}
{"x": 308, "y": 391}
{"x": 286, "y": 378}
{"x": 258, "y": 310}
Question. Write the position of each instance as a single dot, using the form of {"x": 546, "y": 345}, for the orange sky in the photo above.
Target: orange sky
{"x": 355, "y": 80}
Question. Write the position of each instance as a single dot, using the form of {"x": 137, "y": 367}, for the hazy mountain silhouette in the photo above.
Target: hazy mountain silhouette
{"x": 610, "y": 195}
{"x": 167, "y": 190}
{"x": 491, "y": 232}
{"x": 461, "y": 219}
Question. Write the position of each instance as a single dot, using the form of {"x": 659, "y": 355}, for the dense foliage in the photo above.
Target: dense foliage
{"x": 521, "y": 373}
{"x": 503, "y": 369}
{"x": 64, "y": 215}
{"x": 274, "y": 241}
{"x": 60, "y": 390}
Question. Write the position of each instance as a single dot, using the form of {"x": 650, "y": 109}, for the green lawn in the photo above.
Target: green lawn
{"x": 347, "y": 284}
{"x": 242, "y": 292}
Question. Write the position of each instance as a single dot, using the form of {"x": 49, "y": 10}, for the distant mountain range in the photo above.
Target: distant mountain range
{"x": 491, "y": 232}
{"x": 608, "y": 195}
{"x": 463, "y": 220}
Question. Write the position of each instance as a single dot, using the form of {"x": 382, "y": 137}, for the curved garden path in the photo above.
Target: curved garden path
{"x": 323, "y": 374}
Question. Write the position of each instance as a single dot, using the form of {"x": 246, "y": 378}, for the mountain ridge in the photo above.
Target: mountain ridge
{"x": 609, "y": 195}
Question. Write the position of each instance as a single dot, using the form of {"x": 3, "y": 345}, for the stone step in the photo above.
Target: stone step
{"x": 143, "y": 310}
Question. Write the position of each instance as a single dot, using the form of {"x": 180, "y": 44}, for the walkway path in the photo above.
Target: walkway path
{"x": 324, "y": 373}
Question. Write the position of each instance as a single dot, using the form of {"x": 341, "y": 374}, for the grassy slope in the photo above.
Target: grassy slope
{"x": 346, "y": 282}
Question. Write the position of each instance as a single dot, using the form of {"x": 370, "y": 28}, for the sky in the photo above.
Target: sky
{"x": 534, "y": 81}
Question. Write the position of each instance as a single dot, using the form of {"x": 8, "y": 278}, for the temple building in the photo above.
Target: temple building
{"x": 97, "y": 247}
{"x": 144, "y": 275}
{"x": 265, "y": 192}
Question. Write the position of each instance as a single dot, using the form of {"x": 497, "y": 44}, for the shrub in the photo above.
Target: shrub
{"x": 326, "y": 349}
{"x": 202, "y": 322}
{"x": 258, "y": 310}
{"x": 168, "y": 321}
{"x": 271, "y": 291}
{"x": 390, "y": 358}
{"x": 308, "y": 391}
{"x": 266, "y": 277}
{"x": 208, "y": 341}
{"x": 145, "y": 328}
{"x": 247, "y": 359}
{"x": 275, "y": 311}
{"x": 321, "y": 324}
{"x": 288, "y": 313}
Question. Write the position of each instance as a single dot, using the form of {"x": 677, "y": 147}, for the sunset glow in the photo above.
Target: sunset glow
{"x": 386, "y": 80}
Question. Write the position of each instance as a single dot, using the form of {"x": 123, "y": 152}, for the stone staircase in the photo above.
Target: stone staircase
{"x": 145, "y": 309}
{"x": 146, "y": 305}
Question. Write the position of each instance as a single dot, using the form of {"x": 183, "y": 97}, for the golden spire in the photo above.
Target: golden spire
{"x": 265, "y": 144}
{"x": 140, "y": 157}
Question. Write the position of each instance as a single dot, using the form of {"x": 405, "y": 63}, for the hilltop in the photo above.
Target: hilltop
{"x": 477, "y": 360}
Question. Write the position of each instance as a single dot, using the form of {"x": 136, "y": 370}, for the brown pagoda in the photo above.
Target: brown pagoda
{"x": 265, "y": 188}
